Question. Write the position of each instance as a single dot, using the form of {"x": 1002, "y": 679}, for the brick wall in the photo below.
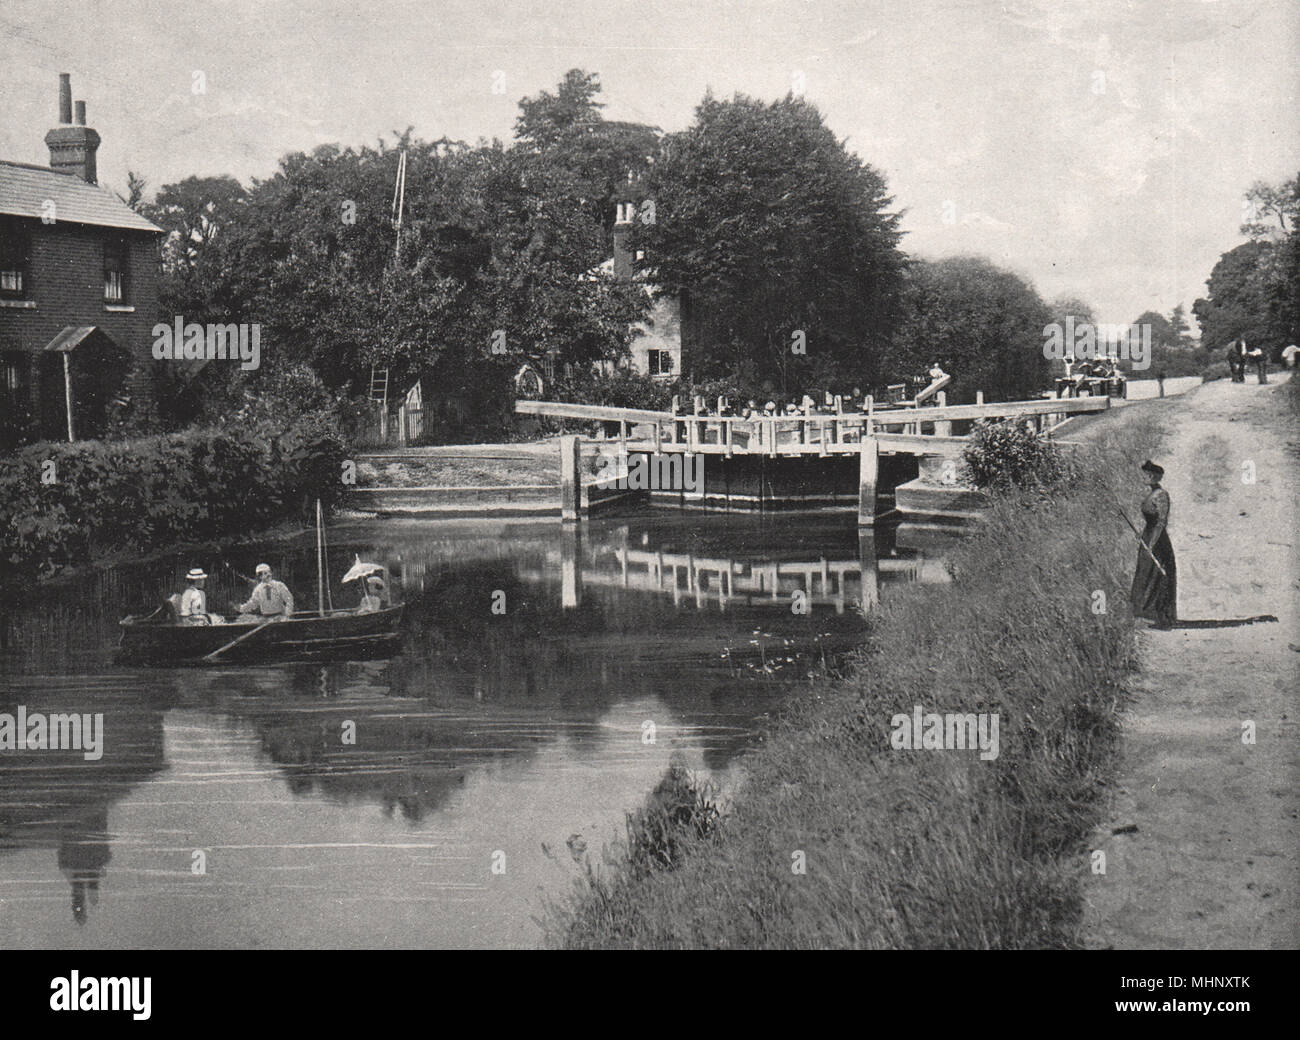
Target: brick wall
{"x": 65, "y": 281}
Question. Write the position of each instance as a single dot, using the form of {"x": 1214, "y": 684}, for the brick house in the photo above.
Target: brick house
{"x": 79, "y": 276}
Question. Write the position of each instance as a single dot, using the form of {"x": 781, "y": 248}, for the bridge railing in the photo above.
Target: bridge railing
{"x": 925, "y": 430}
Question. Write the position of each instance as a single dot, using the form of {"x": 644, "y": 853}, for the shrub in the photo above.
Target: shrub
{"x": 153, "y": 491}
{"x": 1008, "y": 454}
{"x": 1215, "y": 370}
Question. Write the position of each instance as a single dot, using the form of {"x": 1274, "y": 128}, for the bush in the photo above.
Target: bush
{"x": 1008, "y": 454}
{"x": 1215, "y": 370}
{"x": 150, "y": 492}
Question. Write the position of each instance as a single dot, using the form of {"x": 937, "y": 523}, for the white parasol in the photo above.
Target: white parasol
{"x": 360, "y": 569}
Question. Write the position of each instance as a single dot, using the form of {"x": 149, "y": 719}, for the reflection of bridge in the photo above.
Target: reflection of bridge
{"x": 765, "y": 581}
{"x": 823, "y": 582}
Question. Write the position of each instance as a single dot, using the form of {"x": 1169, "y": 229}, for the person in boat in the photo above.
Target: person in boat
{"x": 271, "y": 598}
{"x": 194, "y": 600}
{"x": 1155, "y": 581}
{"x": 372, "y": 595}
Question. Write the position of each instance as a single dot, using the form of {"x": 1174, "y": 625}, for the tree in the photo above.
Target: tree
{"x": 136, "y": 186}
{"x": 545, "y": 118}
{"x": 1246, "y": 298}
{"x": 1269, "y": 207}
{"x": 1181, "y": 329}
{"x": 777, "y": 239}
{"x": 984, "y": 325}
{"x": 1254, "y": 289}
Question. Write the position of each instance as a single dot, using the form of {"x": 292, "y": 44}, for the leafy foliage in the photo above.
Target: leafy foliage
{"x": 767, "y": 225}
{"x": 1009, "y": 454}
{"x": 142, "y": 493}
{"x": 981, "y": 323}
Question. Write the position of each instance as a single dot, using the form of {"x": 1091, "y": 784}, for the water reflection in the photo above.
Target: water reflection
{"x": 359, "y": 803}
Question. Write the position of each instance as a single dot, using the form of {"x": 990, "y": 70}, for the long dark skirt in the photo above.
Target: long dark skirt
{"x": 1155, "y": 595}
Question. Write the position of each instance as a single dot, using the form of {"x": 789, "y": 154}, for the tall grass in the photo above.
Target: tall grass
{"x": 924, "y": 849}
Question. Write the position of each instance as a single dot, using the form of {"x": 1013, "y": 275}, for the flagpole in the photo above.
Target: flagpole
{"x": 320, "y": 562}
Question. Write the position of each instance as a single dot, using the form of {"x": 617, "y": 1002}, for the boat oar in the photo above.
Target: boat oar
{"x": 238, "y": 639}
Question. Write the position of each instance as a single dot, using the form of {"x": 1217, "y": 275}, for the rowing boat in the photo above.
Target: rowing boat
{"x": 157, "y": 638}
{"x": 164, "y": 638}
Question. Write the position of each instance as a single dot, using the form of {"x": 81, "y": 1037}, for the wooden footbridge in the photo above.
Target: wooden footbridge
{"x": 925, "y": 434}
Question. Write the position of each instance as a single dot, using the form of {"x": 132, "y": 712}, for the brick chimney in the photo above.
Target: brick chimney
{"x": 623, "y": 265}
{"x": 73, "y": 148}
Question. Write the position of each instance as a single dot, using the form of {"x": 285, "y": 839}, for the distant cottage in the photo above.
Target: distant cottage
{"x": 79, "y": 274}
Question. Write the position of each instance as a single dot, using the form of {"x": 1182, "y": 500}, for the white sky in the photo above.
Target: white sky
{"x": 1124, "y": 197}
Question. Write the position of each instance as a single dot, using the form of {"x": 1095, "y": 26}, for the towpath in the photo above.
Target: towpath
{"x": 1213, "y": 862}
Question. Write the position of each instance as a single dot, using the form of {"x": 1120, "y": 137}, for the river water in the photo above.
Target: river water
{"x": 436, "y": 799}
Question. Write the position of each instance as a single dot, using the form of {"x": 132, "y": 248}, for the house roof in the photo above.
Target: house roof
{"x": 24, "y": 190}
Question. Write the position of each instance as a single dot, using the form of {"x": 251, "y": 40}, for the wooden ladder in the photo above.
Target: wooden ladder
{"x": 379, "y": 395}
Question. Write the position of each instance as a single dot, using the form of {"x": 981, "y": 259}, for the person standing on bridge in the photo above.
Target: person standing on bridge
{"x": 1155, "y": 581}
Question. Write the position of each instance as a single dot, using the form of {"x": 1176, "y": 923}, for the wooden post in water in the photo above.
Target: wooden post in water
{"x": 942, "y": 427}
{"x": 570, "y": 476}
{"x": 868, "y": 471}
{"x": 570, "y": 568}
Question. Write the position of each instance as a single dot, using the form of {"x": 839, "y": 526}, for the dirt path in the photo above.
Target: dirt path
{"x": 1215, "y": 860}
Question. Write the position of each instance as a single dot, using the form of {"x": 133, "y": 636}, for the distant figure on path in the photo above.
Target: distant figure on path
{"x": 1261, "y": 365}
{"x": 271, "y": 599}
{"x": 1288, "y": 355}
{"x": 1237, "y": 360}
{"x": 1155, "y": 594}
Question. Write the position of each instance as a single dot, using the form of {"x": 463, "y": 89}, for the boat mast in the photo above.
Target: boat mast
{"x": 320, "y": 562}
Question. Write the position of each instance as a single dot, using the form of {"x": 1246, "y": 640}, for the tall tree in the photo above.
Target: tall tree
{"x": 983, "y": 324}
{"x": 544, "y": 118}
{"x": 779, "y": 240}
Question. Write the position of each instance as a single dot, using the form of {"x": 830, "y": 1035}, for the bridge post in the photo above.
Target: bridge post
{"x": 868, "y": 471}
{"x": 942, "y": 427}
{"x": 570, "y": 477}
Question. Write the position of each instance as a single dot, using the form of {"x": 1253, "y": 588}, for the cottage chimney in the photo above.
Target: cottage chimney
{"x": 73, "y": 148}
{"x": 65, "y": 97}
{"x": 623, "y": 267}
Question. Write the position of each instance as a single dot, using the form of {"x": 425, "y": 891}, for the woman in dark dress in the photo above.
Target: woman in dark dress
{"x": 1155, "y": 594}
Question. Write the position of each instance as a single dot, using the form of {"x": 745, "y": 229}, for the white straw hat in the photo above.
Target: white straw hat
{"x": 195, "y": 574}
{"x": 263, "y": 568}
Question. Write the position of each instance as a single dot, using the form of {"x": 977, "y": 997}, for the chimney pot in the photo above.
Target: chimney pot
{"x": 65, "y": 97}
{"x": 81, "y": 113}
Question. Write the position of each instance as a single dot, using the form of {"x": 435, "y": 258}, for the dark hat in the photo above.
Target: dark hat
{"x": 1151, "y": 467}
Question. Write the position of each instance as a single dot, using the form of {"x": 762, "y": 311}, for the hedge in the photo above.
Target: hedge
{"x": 67, "y": 503}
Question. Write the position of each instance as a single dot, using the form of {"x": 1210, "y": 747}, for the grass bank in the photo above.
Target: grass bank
{"x": 911, "y": 848}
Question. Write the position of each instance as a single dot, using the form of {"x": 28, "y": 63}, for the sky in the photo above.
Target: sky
{"x": 1100, "y": 148}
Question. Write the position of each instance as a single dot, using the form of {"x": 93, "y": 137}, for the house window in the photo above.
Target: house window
{"x": 660, "y": 362}
{"x": 15, "y": 251}
{"x": 14, "y": 366}
{"x": 115, "y": 270}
